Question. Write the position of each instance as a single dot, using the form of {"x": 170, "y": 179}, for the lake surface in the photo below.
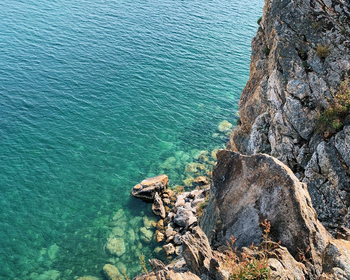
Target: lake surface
{"x": 95, "y": 96}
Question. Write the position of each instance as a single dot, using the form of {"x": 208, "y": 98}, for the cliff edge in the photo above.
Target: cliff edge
{"x": 300, "y": 56}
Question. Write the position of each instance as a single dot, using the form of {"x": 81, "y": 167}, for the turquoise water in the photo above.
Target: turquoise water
{"x": 94, "y": 97}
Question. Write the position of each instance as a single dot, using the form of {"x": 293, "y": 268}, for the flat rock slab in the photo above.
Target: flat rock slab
{"x": 147, "y": 189}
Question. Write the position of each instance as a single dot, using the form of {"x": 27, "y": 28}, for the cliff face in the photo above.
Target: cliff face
{"x": 290, "y": 84}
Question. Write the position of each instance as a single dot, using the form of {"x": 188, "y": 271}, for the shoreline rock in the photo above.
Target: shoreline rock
{"x": 147, "y": 189}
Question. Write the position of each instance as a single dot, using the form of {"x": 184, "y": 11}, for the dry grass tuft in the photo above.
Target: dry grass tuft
{"x": 248, "y": 264}
{"x": 322, "y": 51}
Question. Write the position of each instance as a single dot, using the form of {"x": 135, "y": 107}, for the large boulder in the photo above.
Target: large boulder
{"x": 249, "y": 189}
{"x": 147, "y": 189}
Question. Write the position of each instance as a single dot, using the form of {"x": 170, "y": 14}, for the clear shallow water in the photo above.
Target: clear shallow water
{"x": 94, "y": 97}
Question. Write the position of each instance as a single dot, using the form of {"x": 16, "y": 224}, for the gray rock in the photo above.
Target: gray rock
{"x": 180, "y": 201}
{"x": 184, "y": 217}
{"x": 342, "y": 144}
{"x": 158, "y": 207}
{"x": 177, "y": 239}
{"x": 196, "y": 251}
{"x": 146, "y": 235}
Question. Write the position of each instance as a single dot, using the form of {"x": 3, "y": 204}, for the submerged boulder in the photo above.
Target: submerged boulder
{"x": 116, "y": 246}
{"x": 111, "y": 272}
{"x": 147, "y": 189}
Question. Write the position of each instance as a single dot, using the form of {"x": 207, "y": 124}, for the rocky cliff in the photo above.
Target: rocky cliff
{"x": 283, "y": 163}
{"x": 300, "y": 56}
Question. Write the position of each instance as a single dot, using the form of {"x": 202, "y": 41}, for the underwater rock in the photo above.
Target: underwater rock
{"x": 131, "y": 234}
{"x": 157, "y": 250}
{"x": 203, "y": 156}
{"x": 116, "y": 246}
{"x": 168, "y": 163}
{"x": 50, "y": 275}
{"x": 118, "y": 215}
{"x": 188, "y": 182}
{"x": 111, "y": 272}
{"x": 121, "y": 267}
{"x": 158, "y": 207}
{"x": 149, "y": 222}
{"x": 117, "y": 231}
{"x": 225, "y": 126}
{"x": 192, "y": 167}
{"x": 88, "y": 278}
{"x": 202, "y": 180}
{"x": 146, "y": 235}
{"x": 135, "y": 222}
{"x": 147, "y": 189}
{"x": 53, "y": 250}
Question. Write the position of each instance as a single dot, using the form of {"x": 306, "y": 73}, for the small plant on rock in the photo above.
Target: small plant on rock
{"x": 332, "y": 118}
{"x": 259, "y": 20}
{"x": 322, "y": 51}
{"x": 248, "y": 264}
{"x": 266, "y": 51}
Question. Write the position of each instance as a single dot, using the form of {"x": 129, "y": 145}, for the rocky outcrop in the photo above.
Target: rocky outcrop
{"x": 197, "y": 251}
{"x": 249, "y": 189}
{"x": 290, "y": 83}
{"x": 148, "y": 188}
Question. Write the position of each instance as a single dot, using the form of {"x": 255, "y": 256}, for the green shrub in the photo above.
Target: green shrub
{"x": 343, "y": 31}
{"x": 332, "y": 118}
{"x": 266, "y": 51}
{"x": 259, "y": 20}
{"x": 322, "y": 51}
